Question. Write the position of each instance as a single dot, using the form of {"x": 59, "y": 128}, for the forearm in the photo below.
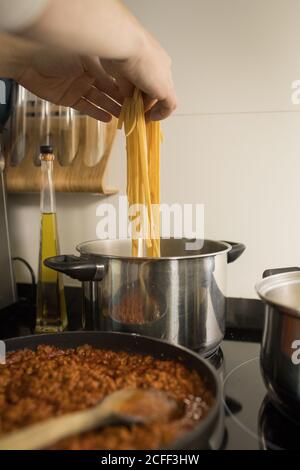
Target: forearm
{"x": 104, "y": 28}
{"x": 15, "y": 55}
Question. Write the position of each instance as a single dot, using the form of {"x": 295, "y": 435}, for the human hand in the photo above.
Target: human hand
{"x": 73, "y": 81}
{"x": 86, "y": 83}
{"x": 150, "y": 71}
{"x": 105, "y": 29}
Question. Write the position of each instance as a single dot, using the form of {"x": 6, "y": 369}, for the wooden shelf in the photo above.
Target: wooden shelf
{"x": 82, "y": 154}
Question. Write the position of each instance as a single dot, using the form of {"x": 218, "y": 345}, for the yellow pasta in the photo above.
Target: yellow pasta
{"x": 143, "y": 171}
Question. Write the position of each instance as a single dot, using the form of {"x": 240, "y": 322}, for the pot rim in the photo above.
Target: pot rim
{"x": 265, "y": 286}
{"x": 225, "y": 248}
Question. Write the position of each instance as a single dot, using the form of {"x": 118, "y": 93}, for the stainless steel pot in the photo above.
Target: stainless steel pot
{"x": 179, "y": 297}
{"x": 280, "y": 351}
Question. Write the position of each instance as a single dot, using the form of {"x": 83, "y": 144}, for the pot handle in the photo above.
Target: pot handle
{"x": 272, "y": 272}
{"x": 237, "y": 249}
{"x": 77, "y": 268}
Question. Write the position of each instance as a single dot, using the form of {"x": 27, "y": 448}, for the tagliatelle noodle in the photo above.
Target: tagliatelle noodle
{"x": 143, "y": 171}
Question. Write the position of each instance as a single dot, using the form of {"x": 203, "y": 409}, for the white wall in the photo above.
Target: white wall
{"x": 233, "y": 144}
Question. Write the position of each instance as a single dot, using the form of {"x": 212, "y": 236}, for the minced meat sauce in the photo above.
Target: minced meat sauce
{"x": 48, "y": 382}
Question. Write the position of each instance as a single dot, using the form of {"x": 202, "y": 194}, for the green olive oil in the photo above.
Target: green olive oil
{"x": 51, "y": 304}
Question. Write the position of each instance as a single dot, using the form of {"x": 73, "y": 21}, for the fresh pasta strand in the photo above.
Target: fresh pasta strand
{"x": 143, "y": 170}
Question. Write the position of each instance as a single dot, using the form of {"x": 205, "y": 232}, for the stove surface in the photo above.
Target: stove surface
{"x": 251, "y": 421}
{"x": 244, "y": 394}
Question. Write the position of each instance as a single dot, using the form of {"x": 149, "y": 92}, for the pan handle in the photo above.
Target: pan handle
{"x": 77, "y": 268}
{"x": 237, "y": 249}
{"x": 272, "y": 272}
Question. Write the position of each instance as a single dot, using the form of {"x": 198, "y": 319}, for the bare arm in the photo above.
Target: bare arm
{"x": 15, "y": 54}
{"x": 106, "y": 29}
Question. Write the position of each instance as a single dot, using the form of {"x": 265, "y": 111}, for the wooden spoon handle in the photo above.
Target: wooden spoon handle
{"x": 43, "y": 435}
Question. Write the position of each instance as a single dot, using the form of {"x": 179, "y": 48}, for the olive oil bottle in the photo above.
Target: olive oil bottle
{"x": 51, "y": 304}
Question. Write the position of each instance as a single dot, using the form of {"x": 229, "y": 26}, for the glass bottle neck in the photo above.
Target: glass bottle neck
{"x": 48, "y": 203}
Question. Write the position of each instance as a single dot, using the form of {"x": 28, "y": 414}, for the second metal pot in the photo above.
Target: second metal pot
{"x": 179, "y": 297}
{"x": 280, "y": 351}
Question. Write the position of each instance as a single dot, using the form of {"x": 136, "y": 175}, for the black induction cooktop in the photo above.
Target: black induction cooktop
{"x": 251, "y": 421}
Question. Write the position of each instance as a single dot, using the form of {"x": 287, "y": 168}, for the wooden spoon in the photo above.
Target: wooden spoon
{"x": 127, "y": 406}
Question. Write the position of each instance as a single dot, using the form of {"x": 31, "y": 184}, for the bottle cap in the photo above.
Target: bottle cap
{"x": 46, "y": 149}
{"x": 46, "y": 153}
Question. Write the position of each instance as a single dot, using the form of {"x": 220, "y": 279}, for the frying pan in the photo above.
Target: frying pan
{"x": 197, "y": 439}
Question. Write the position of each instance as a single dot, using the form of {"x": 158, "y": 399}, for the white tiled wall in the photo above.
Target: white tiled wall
{"x": 234, "y": 142}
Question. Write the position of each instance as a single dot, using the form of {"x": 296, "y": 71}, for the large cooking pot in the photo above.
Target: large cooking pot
{"x": 208, "y": 434}
{"x": 280, "y": 351}
{"x": 179, "y": 297}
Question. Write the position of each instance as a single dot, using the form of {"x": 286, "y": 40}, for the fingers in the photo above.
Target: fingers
{"x": 108, "y": 85}
{"x": 73, "y": 90}
{"x": 148, "y": 103}
{"x": 165, "y": 105}
{"x": 84, "y": 95}
{"x": 102, "y": 80}
{"x": 125, "y": 87}
{"x": 152, "y": 75}
{"x": 85, "y": 107}
{"x": 162, "y": 109}
{"x": 103, "y": 101}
